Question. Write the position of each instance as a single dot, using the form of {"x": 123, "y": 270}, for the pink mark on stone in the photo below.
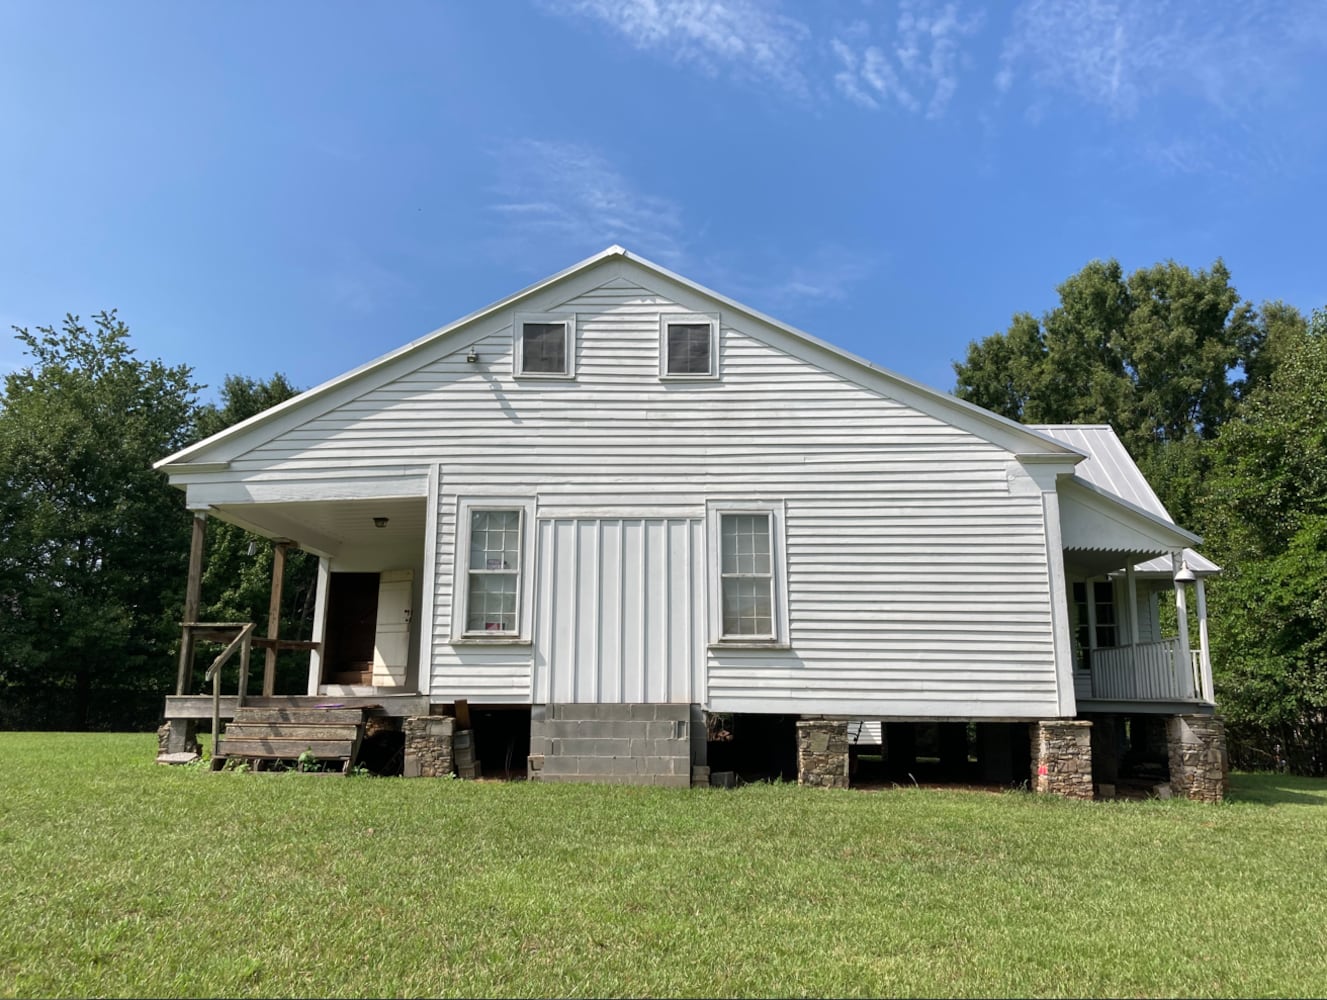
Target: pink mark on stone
{"x": 1042, "y": 769}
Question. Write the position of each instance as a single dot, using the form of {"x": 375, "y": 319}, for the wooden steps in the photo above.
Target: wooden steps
{"x": 265, "y": 736}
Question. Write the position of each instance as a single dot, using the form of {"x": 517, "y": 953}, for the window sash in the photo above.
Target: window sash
{"x": 493, "y": 574}
{"x": 689, "y": 348}
{"x": 544, "y": 347}
{"x": 746, "y": 575}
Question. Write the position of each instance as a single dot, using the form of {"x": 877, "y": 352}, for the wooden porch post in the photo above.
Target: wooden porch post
{"x": 1184, "y": 667}
{"x": 1131, "y": 582}
{"x": 1204, "y": 654}
{"x": 274, "y": 616}
{"x": 192, "y": 598}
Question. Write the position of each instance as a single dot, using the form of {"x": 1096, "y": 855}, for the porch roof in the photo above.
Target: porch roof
{"x": 1110, "y": 469}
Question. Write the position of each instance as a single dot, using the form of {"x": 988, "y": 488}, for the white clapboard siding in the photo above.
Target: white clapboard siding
{"x": 619, "y": 614}
{"x": 917, "y": 582}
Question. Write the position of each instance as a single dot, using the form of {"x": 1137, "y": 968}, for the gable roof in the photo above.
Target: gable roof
{"x": 211, "y": 453}
{"x": 1110, "y": 469}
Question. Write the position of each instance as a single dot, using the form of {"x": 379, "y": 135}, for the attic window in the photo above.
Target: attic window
{"x": 688, "y": 346}
{"x": 545, "y": 345}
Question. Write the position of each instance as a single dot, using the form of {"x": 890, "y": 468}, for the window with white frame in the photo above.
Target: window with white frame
{"x": 748, "y": 574}
{"x": 545, "y": 345}
{"x": 491, "y": 570}
{"x": 688, "y": 346}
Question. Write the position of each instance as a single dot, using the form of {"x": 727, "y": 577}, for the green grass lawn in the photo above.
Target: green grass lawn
{"x": 122, "y": 878}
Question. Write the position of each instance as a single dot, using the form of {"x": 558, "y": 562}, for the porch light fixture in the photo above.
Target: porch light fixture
{"x": 473, "y": 356}
{"x": 1185, "y": 575}
{"x": 380, "y": 522}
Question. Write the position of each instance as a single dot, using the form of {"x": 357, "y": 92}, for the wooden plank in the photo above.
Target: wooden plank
{"x": 292, "y": 731}
{"x": 300, "y": 716}
{"x": 286, "y": 749}
{"x": 199, "y": 706}
{"x": 215, "y": 633}
{"x": 274, "y": 615}
{"x": 246, "y": 641}
{"x": 216, "y": 709}
{"x": 192, "y": 597}
{"x": 298, "y": 645}
{"x": 225, "y": 654}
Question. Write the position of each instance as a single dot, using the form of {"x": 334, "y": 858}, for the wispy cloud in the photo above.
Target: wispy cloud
{"x": 829, "y": 273}
{"x": 824, "y": 273}
{"x": 915, "y": 67}
{"x": 744, "y": 38}
{"x": 1227, "y": 57}
{"x": 355, "y": 281}
{"x": 911, "y": 60}
{"x": 570, "y": 195}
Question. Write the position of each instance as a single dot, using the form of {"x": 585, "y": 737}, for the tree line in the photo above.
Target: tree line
{"x": 94, "y": 543}
{"x": 1220, "y": 402}
{"x": 1224, "y": 407}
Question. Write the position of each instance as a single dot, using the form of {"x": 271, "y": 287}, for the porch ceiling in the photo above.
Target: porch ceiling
{"x": 330, "y": 527}
{"x": 1082, "y": 562}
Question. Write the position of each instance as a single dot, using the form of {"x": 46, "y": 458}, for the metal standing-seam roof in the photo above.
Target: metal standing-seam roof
{"x": 1109, "y": 467}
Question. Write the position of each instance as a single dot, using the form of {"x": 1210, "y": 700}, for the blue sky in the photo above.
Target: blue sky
{"x": 302, "y": 186}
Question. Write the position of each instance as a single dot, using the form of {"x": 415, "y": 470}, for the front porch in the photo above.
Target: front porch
{"x": 365, "y": 649}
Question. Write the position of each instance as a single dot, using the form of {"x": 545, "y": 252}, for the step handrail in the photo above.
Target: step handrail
{"x": 244, "y": 643}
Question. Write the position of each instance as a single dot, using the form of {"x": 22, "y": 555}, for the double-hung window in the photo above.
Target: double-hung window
{"x": 748, "y": 574}
{"x": 492, "y": 579}
{"x": 545, "y": 345}
{"x": 688, "y": 346}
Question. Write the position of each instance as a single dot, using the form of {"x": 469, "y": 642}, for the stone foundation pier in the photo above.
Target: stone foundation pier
{"x": 428, "y": 746}
{"x": 1062, "y": 757}
{"x": 822, "y": 753}
{"x": 1199, "y": 765}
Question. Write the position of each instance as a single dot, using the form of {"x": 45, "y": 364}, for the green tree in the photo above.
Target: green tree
{"x": 241, "y": 398}
{"x": 1155, "y": 354}
{"x": 1267, "y": 511}
{"x": 92, "y": 540}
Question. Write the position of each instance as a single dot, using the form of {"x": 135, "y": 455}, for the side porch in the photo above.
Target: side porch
{"x": 1136, "y": 644}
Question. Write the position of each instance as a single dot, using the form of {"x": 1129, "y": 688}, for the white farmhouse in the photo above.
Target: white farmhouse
{"x": 628, "y": 529}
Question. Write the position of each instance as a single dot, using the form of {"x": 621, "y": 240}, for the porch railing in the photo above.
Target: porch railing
{"x": 1150, "y": 671}
{"x": 243, "y": 642}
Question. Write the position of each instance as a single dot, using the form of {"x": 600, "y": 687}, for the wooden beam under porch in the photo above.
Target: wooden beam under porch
{"x": 200, "y": 706}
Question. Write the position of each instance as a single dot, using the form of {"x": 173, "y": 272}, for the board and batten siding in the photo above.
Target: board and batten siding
{"x": 917, "y": 581}
{"x": 619, "y": 611}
